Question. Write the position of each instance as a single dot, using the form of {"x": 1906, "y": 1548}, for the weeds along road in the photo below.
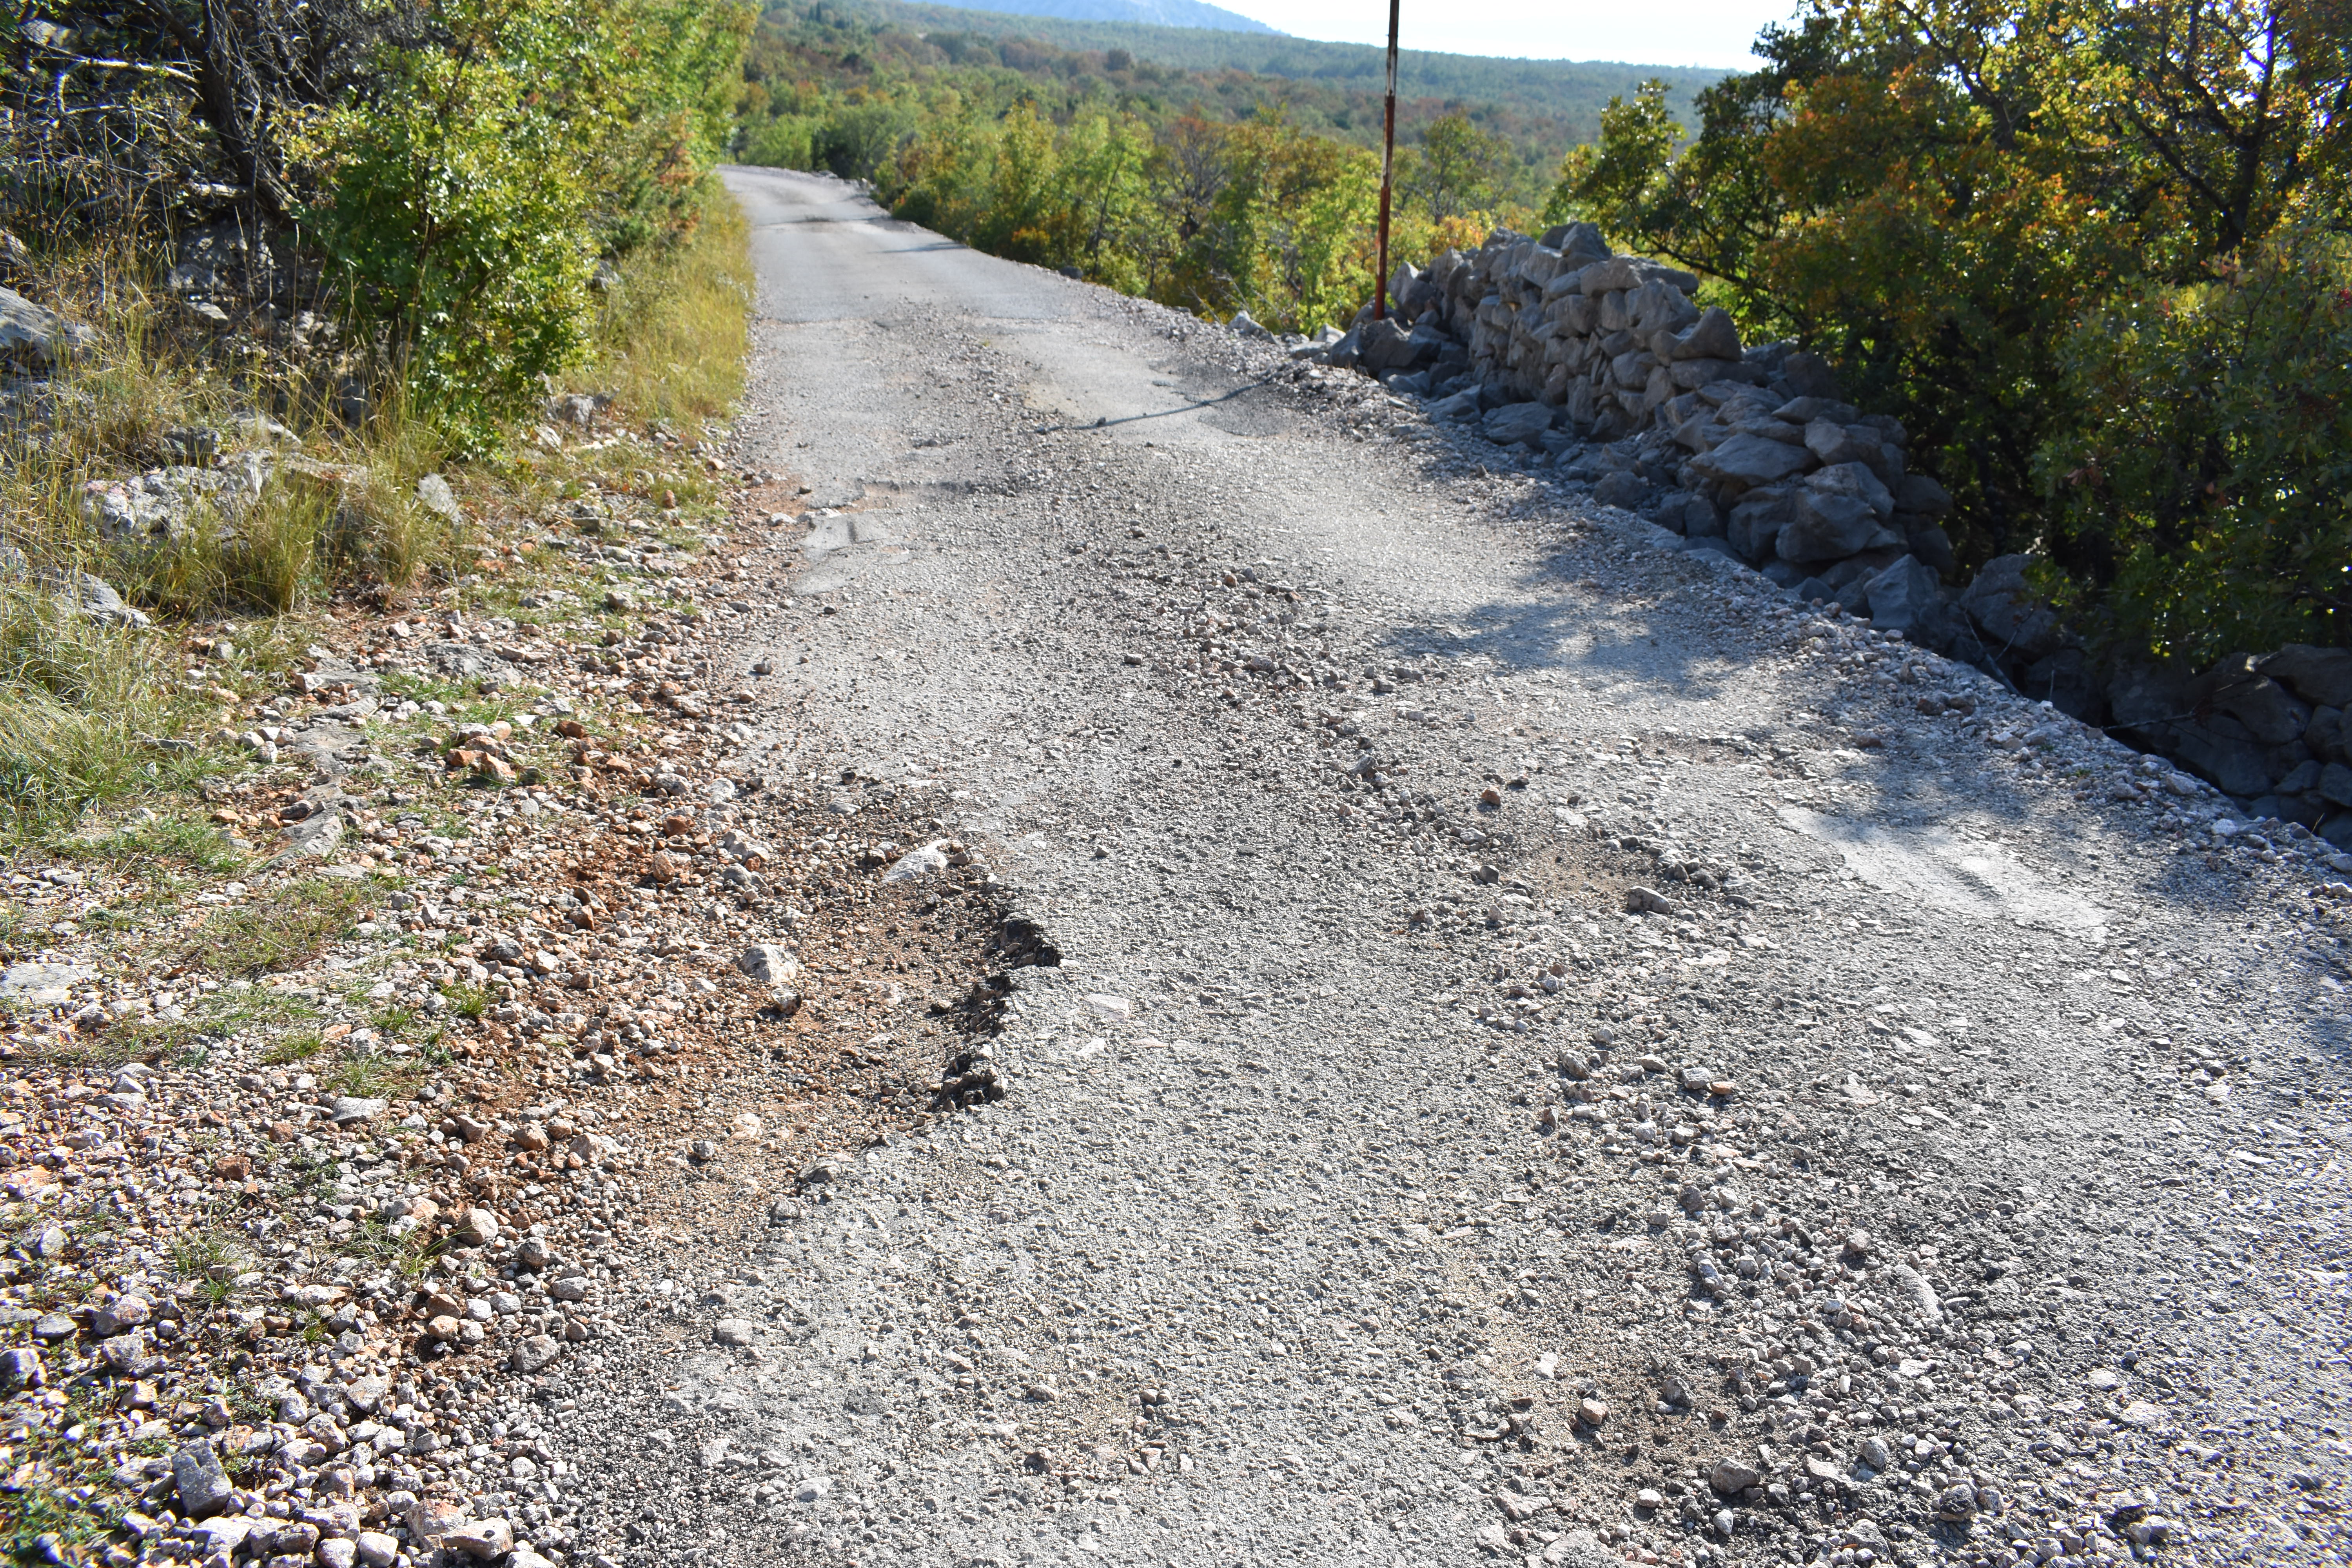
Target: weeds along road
{"x": 1943, "y": 1165}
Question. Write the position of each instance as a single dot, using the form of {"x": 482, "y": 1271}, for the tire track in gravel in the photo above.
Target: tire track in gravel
{"x": 1367, "y": 1191}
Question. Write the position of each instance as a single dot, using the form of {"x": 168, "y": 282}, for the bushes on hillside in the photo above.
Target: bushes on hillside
{"x": 467, "y": 193}
{"x": 451, "y": 215}
{"x": 444, "y": 174}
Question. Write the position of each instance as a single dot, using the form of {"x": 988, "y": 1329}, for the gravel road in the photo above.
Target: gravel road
{"x": 1943, "y": 1163}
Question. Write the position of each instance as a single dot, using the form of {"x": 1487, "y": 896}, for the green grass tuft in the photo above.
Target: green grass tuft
{"x": 280, "y": 932}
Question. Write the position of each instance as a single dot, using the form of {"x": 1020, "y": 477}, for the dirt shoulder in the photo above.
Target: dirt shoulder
{"x": 468, "y": 990}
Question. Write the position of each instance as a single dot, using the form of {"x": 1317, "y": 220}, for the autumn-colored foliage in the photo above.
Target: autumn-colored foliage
{"x": 2082, "y": 251}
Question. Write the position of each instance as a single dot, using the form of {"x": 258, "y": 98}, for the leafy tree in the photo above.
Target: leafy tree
{"x": 1615, "y": 180}
{"x": 1954, "y": 197}
{"x": 1103, "y": 157}
{"x": 1461, "y": 168}
{"x": 2206, "y": 484}
{"x": 464, "y": 195}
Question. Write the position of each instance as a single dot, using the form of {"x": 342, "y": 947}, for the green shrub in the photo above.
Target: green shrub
{"x": 2000, "y": 219}
{"x": 454, "y": 213}
{"x": 787, "y": 142}
{"x": 466, "y": 197}
{"x": 2205, "y": 491}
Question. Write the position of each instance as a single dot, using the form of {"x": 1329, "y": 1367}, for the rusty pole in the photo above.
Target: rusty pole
{"x": 1388, "y": 169}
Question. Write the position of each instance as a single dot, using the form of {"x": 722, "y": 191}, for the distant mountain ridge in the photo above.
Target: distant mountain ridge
{"x": 1541, "y": 108}
{"x": 1146, "y": 12}
{"x": 1577, "y": 87}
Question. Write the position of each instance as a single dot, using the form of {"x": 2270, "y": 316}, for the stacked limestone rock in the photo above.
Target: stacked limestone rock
{"x": 1552, "y": 342}
{"x": 1606, "y": 365}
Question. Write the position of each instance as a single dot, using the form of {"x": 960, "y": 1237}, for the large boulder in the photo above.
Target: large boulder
{"x": 1693, "y": 515}
{"x": 1927, "y": 540}
{"x": 2320, "y": 676}
{"x": 2325, "y": 735}
{"x": 2144, "y": 697}
{"x": 1919, "y": 493}
{"x": 2271, "y": 714}
{"x": 1713, "y": 336}
{"x": 1579, "y": 244}
{"x": 1828, "y": 526}
{"x": 1857, "y": 480}
{"x": 76, "y": 591}
{"x": 1900, "y": 597}
{"x": 33, "y": 337}
{"x": 1623, "y": 488}
{"x": 164, "y": 503}
{"x": 2149, "y": 705}
{"x": 1834, "y": 443}
{"x": 1407, "y": 297}
{"x": 1515, "y": 424}
{"x": 1631, "y": 370}
{"x": 1756, "y": 519}
{"x": 2015, "y": 622}
{"x": 1748, "y": 461}
{"x": 2231, "y": 762}
{"x": 1387, "y": 344}
{"x": 1629, "y": 272}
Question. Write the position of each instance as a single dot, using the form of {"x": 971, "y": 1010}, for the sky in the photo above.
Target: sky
{"x": 1689, "y": 33}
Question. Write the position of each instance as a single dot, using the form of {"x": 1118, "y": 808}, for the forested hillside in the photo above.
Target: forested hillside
{"x": 1149, "y": 13}
{"x": 1539, "y": 109}
{"x": 1575, "y": 89}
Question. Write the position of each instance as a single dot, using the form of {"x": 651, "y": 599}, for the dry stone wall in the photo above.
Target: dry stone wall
{"x": 1608, "y": 367}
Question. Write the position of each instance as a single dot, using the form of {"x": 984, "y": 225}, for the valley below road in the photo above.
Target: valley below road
{"x": 1557, "y": 1054}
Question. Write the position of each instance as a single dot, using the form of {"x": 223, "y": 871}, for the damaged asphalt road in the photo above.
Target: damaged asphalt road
{"x": 1558, "y": 1053}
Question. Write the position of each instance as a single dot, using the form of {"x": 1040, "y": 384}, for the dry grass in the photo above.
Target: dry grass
{"x": 289, "y": 929}
{"x": 674, "y": 335}
{"x": 82, "y": 704}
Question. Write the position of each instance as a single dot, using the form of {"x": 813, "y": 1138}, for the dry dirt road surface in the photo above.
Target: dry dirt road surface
{"x": 1942, "y": 1162}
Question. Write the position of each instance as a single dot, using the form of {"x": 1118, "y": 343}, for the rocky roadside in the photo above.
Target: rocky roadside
{"x": 334, "y": 1124}
{"x": 1845, "y": 642}
{"x": 1605, "y": 367}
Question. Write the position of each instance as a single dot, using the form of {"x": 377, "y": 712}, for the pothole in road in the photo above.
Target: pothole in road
{"x": 1587, "y": 875}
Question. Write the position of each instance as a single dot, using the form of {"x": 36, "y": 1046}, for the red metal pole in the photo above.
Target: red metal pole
{"x": 1388, "y": 169}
